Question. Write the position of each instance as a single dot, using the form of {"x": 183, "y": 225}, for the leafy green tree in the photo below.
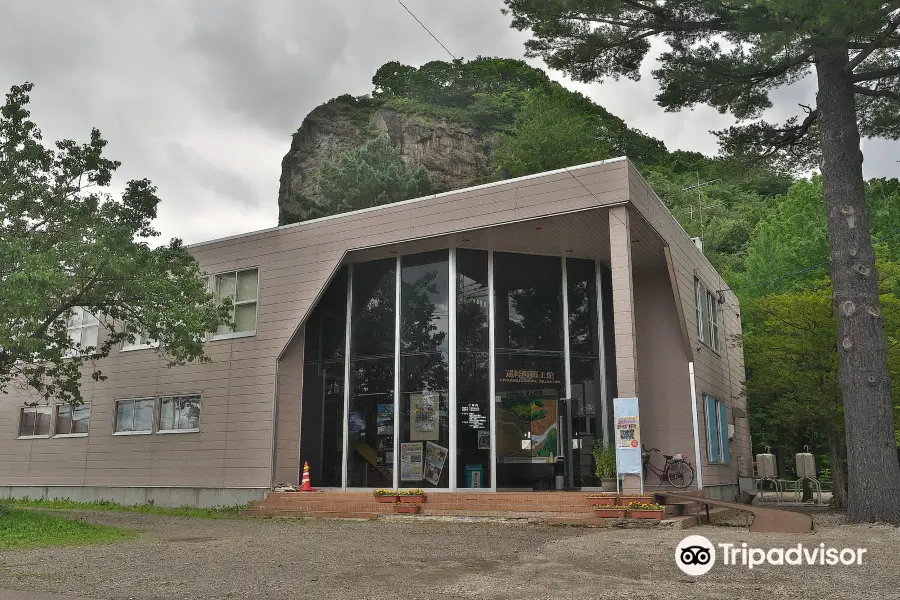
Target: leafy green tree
{"x": 793, "y": 391}
{"x": 371, "y": 175}
{"x": 794, "y": 237}
{"x": 551, "y": 132}
{"x": 731, "y": 54}
{"x": 66, "y": 244}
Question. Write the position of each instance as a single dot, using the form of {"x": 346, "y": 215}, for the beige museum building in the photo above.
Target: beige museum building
{"x": 471, "y": 339}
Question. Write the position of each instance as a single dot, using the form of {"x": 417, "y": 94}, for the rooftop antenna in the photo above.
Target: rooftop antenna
{"x": 698, "y": 186}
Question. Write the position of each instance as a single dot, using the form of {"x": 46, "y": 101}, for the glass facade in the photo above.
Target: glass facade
{"x": 415, "y": 418}
{"x": 424, "y": 369}
{"x": 473, "y": 439}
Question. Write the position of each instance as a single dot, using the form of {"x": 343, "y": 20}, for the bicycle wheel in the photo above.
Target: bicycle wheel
{"x": 680, "y": 474}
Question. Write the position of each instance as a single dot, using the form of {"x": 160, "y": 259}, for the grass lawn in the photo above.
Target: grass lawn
{"x": 223, "y": 512}
{"x": 30, "y": 529}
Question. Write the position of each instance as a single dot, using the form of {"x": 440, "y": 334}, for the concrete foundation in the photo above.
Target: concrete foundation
{"x": 170, "y": 497}
{"x": 727, "y": 493}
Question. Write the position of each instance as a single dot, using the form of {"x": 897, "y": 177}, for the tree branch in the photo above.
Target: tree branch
{"x": 877, "y": 74}
{"x": 876, "y": 93}
{"x": 874, "y": 44}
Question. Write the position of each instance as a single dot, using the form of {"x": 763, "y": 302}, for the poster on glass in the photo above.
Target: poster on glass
{"x": 423, "y": 416}
{"x": 411, "y": 461}
{"x": 435, "y": 458}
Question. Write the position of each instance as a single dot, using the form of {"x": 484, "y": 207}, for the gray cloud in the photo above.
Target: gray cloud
{"x": 202, "y": 96}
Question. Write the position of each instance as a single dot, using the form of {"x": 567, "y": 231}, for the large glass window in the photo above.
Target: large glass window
{"x": 322, "y": 407}
{"x": 530, "y": 377}
{"x": 424, "y": 341}
{"x": 472, "y": 370}
{"x": 529, "y": 302}
{"x": 586, "y": 404}
{"x": 538, "y": 421}
{"x": 372, "y": 328}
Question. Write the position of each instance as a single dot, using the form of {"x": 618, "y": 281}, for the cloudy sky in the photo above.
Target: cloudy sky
{"x": 202, "y": 96}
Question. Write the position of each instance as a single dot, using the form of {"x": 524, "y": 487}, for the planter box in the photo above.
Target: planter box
{"x": 646, "y": 514}
{"x": 601, "y": 500}
{"x": 386, "y": 499}
{"x": 610, "y": 512}
{"x": 409, "y": 509}
{"x": 626, "y": 499}
{"x": 412, "y": 499}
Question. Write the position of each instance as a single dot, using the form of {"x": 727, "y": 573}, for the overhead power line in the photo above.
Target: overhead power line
{"x": 412, "y": 14}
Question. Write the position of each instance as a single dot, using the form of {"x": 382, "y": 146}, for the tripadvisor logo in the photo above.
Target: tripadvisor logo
{"x": 696, "y": 555}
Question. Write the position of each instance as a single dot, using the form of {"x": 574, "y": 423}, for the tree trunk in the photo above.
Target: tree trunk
{"x": 836, "y": 462}
{"x": 874, "y": 473}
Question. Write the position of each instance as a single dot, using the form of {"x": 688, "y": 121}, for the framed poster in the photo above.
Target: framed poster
{"x": 484, "y": 439}
{"x": 435, "y": 458}
{"x": 411, "y": 461}
{"x": 424, "y": 419}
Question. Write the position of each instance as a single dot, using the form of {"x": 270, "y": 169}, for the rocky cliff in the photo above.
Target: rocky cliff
{"x": 455, "y": 154}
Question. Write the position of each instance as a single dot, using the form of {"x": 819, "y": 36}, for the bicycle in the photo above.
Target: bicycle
{"x": 677, "y": 469}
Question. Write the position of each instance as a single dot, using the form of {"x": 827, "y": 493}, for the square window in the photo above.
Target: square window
{"x": 134, "y": 416}
{"x": 72, "y": 420}
{"x": 34, "y": 421}
{"x": 179, "y": 414}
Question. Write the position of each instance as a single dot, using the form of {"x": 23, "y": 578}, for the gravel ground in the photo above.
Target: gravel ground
{"x": 176, "y": 558}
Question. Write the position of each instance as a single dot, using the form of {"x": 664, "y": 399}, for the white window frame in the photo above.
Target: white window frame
{"x": 141, "y": 342}
{"x": 70, "y": 435}
{"x": 141, "y": 432}
{"x": 236, "y": 334}
{"x": 713, "y": 320}
{"x": 707, "y": 312}
{"x": 45, "y": 409}
{"x": 76, "y": 323}
{"x": 159, "y": 405}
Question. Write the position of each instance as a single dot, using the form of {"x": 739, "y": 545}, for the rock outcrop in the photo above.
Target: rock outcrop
{"x": 453, "y": 153}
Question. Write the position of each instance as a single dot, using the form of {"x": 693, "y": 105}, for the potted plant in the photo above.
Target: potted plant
{"x": 602, "y": 499}
{"x": 409, "y": 508}
{"x": 385, "y": 495}
{"x": 412, "y": 495}
{"x": 626, "y": 499}
{"x": 642, "y": 510}
{"x": 610, "y": 512}
{"x": 605, "y": 465}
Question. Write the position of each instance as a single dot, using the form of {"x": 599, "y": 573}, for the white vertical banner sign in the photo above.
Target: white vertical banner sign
{"x": 626, "y": 419}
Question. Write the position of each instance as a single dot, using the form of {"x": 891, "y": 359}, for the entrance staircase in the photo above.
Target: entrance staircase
{"x": 553, "y": 507}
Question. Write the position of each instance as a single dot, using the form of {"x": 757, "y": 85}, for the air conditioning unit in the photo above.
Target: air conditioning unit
{"x": 699, "y": 243}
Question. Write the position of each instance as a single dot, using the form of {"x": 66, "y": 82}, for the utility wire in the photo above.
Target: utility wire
{"x": 426, "y": 29}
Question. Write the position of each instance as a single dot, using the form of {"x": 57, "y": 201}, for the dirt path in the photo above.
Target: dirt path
{"x": 178, "y": 558}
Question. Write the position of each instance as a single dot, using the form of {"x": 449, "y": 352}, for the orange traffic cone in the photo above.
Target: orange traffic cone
{"x": 305, "y": 486}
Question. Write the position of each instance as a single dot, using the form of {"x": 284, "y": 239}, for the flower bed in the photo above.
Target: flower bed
{"x": 392, "y": 496}
{"x": 641, "y": 510}
{"x": 385, "y": 495}
{"x": 626, "y": 499}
